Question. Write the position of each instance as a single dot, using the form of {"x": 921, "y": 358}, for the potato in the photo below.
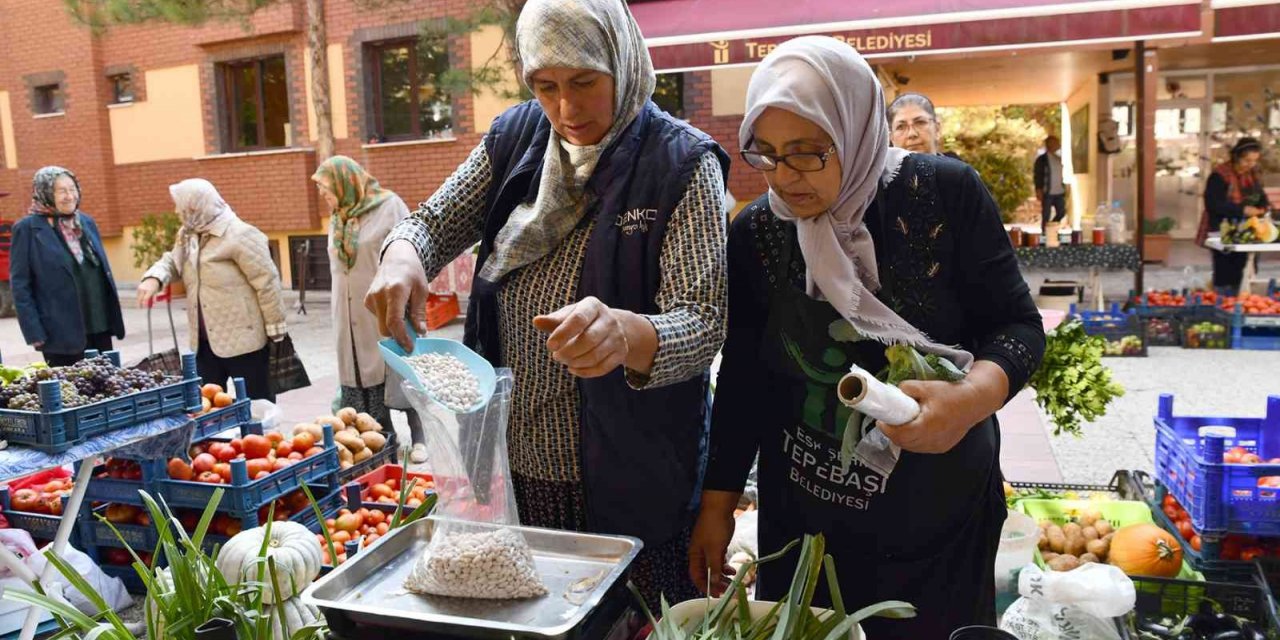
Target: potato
{"x": 347, "y": 415}
{"x": 345, "y": 456}
{"x": 1076, "y": 545}
{"x": 1045, "y": 524}
{"x": 1057, "y": 540}
{"x": 1103, "y": 527}
{"x": 1043, "y": 543}
{"x": 1048, "y": 555}
{"x": 345, "y": 465}
{"x": 1090, "y": 533}
{"x": 350, "y": 441}
{"x": 1064, "y": 563}
{"x": 332, "y": 421}
{"x": 1071, "y": 527}
{"x": 1089, "y": 557}
{"x": 1100, "y": 548}
{"x": 363, "y": 454}
{"x": 365, "y": 423}
{"x": 1090, "y": 516}
{"x": 301, "y": 427}
{"x": 373, "y": 440}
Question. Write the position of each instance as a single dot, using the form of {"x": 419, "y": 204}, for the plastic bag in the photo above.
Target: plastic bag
{"x": 473, "y": 552}
{"x": 1080, "y": 603}
{"x": 110, "y": 588}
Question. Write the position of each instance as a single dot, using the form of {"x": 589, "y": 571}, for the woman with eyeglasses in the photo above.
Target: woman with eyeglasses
{"x": 62, "y": 285}
{"x": 914, "y": 125}
{"x": 855, "y": 247}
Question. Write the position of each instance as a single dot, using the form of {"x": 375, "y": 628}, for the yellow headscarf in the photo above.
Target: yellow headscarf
{"x": 357, "y": 193}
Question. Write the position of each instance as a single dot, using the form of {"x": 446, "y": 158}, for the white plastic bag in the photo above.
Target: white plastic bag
{"x": 266, "y": 412}
{"x": 110, "y": 588}
{"x": 1080, "y": 603}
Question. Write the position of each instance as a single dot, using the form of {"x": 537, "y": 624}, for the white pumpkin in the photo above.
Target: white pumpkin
{"x": 292, "y": 546}
{"x": 289, "y": 617}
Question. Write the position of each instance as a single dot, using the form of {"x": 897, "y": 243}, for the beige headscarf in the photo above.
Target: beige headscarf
{"x": 198, "y": 205}
{"x": 577, "y": 34}
{"x": 826, "y": 82}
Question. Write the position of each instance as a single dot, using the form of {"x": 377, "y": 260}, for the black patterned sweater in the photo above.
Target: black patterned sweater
{"x": 946, "y": 266}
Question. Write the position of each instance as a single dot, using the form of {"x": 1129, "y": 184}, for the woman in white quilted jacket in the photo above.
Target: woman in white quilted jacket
{"x": 233, "y": 288}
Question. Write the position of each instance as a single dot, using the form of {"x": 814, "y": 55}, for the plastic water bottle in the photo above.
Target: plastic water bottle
{"x": 1116, "y": 223}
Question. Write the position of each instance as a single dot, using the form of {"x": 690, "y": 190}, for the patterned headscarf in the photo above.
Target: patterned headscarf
{"x": 199, "y": 205}
{"x": 826, "y": 82}
{"x": 357, "y": 192}
{"x": 44, "y": 203}
{"x": 599, "y": 35}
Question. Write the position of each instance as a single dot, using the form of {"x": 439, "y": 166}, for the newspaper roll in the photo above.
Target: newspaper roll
{"x": 860, "y": 390}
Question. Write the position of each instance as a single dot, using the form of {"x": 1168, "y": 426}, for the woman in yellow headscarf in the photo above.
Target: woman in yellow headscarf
{"x": 362, "y": 213}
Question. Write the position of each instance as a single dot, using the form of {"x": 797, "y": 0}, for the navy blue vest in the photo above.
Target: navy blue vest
{"x": 642, "y": 452}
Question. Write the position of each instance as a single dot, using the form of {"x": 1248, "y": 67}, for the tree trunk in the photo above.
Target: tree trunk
{"x": 317, "y": 40}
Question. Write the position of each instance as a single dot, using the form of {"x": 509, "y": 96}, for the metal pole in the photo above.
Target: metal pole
{"x": 1146, "y": 77}
{"x": 70, "y": 512}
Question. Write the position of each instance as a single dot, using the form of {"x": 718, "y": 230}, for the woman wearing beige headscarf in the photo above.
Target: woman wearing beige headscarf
{"x": 600, "y": 283}
{"x": 361, "y": 214}
{"x": 233, "y": 288}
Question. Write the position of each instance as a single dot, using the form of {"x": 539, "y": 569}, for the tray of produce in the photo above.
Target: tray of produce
{"x": 581, "y": 572}
{"x": 56, "y": 408}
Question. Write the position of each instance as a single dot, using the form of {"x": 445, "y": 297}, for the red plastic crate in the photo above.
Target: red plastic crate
{"x": 384, "y": 473}
{"x": 441, "y": 309}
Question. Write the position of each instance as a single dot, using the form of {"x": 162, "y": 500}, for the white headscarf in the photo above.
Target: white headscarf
{"x": 199, "y": 205}
{"x": 826, "y": 82}
{"x": 599, "y": 35}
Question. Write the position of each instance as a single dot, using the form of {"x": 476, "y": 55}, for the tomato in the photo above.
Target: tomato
{"x": 203, "y": 462}
{"x": 275, "y": 437}
{"x": 209, "y": 477}
{"x": 303, "y": 441}
{"x": 1171, "y": 512}
{"x": 256, "y": 446}
{"x": 1185, "y": 530}
{"x": 122, "y": 513}
{"x": 295, "y": 456}
{"x": 340, "y": 537}
{"x": 223, "y": 470}
{"x": 53, "y": 505}
{"x": 237, "y": 444}
{"x": 349, "y": 522}
{"x": 376, "y": 516}
{"x": 370, "y": 539}
{"x": 1195, "y": 543}
{"x": 223, "y": 451}
{"x": 379, "y": 490}
{"x": 180, "y": 470}
{"x": 313, "y": 451}
{"x": 25, "y": 500}
{"x": 1169, "y": 500}
{"x": 118, "y": 557}
{"x": 1249, "y": 554}
{"x": 256, "y": 466}
{"x": 284, "y": 449}
{"x": 382, "y": 528}
{"x": 1233, "y": 455}
{"x": 1250, "y": 458}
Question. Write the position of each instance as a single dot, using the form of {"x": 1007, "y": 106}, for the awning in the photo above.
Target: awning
{"x": 1245, "y": 20}
{"x": 698, "y": 34}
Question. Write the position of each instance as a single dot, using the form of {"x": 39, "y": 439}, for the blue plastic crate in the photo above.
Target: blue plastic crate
{"x": 132, "y": 582}
{"x": 1257, "y": 332}
{"x": 386, "y": 456}
{"x": 40, "y": 525}
{"x": 1206, "y": 328}
{"x": 243, "y": 497}
{"x": 219, "y": 420}
{"x": 1117, "y": 328}
{"x": 55, "y": 429}
{"x": 138, "y": 537}
{"x": 1221, "y": 498}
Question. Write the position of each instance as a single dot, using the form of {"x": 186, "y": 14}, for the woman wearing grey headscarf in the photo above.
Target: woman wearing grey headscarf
{"x": 63, "y": 289}
{"x": 600, "y": 282}
{"x": 855, "y": 247}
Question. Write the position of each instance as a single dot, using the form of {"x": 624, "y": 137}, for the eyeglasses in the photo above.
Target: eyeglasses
{"x": 803, "y": 162}
{"x": 918, "y": 124}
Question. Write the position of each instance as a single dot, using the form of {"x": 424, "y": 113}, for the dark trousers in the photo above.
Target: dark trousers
{"x": 252, "y": 366}
{"x": 1055, "y": 204}
{"x": 99, "y": 341}
{"x": 1228, "y": 269}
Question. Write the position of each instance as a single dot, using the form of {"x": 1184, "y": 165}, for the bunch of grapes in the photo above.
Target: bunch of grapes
{"x": 88, "y": 381}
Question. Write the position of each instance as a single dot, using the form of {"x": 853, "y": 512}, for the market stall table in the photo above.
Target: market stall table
{"x": 1214, "y": 242}
{"x": 1095, "y": 258}
{"x": 159, "y": 438}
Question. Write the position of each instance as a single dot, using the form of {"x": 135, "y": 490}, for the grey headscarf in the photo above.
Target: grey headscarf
{"x": 826, "y": 82}
{"x": 599, "y": 35}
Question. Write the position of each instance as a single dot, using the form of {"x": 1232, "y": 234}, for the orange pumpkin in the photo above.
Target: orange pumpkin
{"x": 1146, "y": 550}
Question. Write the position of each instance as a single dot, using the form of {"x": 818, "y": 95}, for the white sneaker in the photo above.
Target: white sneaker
{"x": 418, "y": 454}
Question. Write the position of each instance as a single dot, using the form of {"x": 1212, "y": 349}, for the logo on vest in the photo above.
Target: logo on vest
{"x": 636, "y": 220}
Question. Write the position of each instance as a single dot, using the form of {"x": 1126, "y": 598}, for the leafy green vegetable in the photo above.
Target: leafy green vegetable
{"x": 728, "y": 617}
{"x": 1072, "y": 385}
{"x": 9, "y": 375}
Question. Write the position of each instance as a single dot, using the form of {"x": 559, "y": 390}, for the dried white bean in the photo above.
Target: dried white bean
{"x": 495, "y": 565}
{"x": 447, "y": 379}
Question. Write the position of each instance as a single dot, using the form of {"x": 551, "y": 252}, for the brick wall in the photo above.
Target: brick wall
{"x": 745, "y": 183}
